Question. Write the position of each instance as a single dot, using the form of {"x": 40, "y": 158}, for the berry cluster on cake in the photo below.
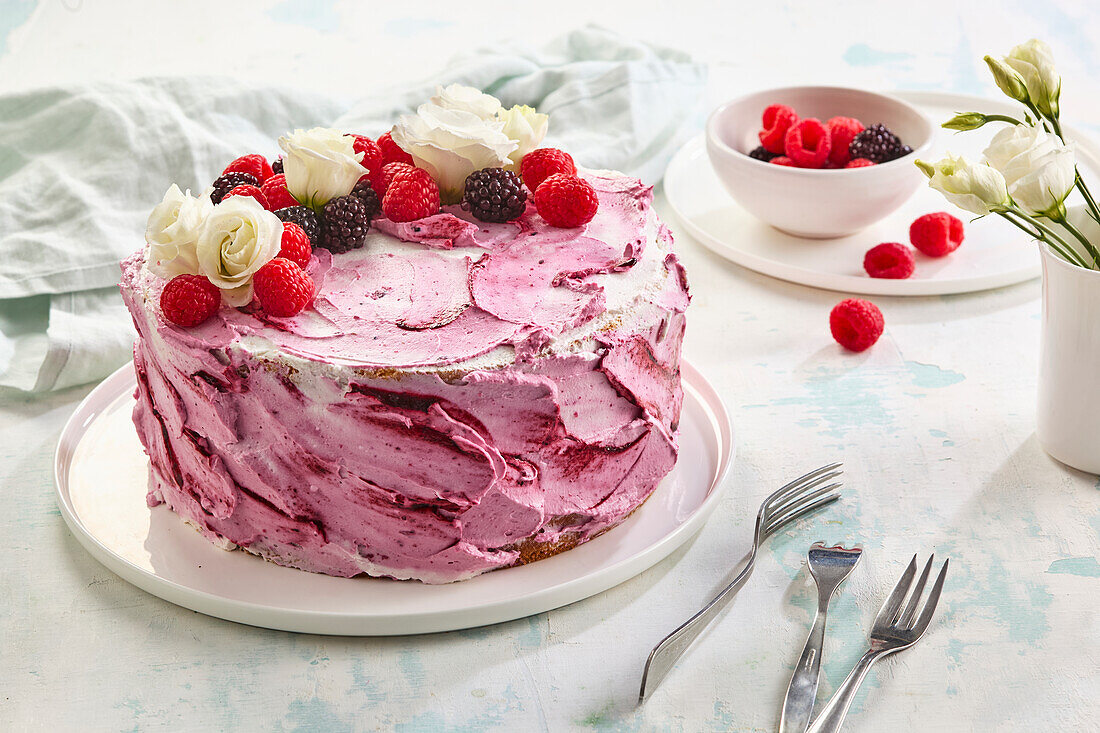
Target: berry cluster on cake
{"x": 423, "y": 356}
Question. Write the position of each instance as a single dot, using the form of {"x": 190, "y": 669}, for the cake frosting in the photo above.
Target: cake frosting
{"x": 460, "y": 396}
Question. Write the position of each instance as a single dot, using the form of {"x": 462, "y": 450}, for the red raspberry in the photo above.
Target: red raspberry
{"x": 282, "y": 288}
{"x": 188, "y": 300}
{"x": 255, "y": 165}
{"x": 859, "y": 163}
{"x": 841, "y": 131}
{"x": 384, "y": 178}
{"x": 856, "y": 324}
{"x": 891, "y": 260}
{"x": 247, "y": 190}
{"x": 538, "y": 165}
{"x": 276, "y": 193}
{"x": 392, "y": 152}
{"x": 372, "y": 154}
{"x": 936, "y": 234}
{"x": 783, "y": 160}
{"x": 807, "y": 143}
{"x": 411, "y": 195}
{"x": 566, "y": 201}
{"x": 295, "y": 245}
{"x": 778, "y": 118}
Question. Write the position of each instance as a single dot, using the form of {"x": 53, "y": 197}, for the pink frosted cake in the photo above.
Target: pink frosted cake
{"x": 453, "y": 396}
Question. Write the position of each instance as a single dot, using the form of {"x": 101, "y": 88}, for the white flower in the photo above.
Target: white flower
{"x": 239, "y": 237}
{"x": 320, "y": 164}
{"x": 526, "y": 127}
{"x": 173, "y": 229}
{"x": 1039, "y": 170}
{"x": 1035, "y": 63}
{"x": 451, "y": 144}
{"x": 466, "y": 99}
{"x": 974, "y": 187}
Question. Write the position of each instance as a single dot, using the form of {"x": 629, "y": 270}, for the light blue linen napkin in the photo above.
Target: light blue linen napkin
{"x": 81, "y": 167}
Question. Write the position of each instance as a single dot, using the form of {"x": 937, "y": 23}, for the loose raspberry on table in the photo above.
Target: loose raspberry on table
{"x": 936, "y": 234}
{"x": 188, "y": 300}
{"x": 841, "y": 132}
{"x": 783, "y": 160}
{"x": 305, "y": 218}
{"x": 382, "y": 180}
{"x": 538, "y": 165}
{"x": 878, "y": 144}
{"x": 283, "y": 288}
{"x": 808, "y": 143}
{"x": 295, "y": 246}
{"x": 890, "y": 260}
{"x": 247, "y": 190}
{"x": 392, "y": 152}
{"x": 346, "y": 223}
{"x": 859, "y": 163}
{"x": 762, "y": 154}
{"x": 566, "y": 201}
{"x": 227, "y": 181}
{"x": 856, "y": 324}
{"x": 777, "y": 119}
{"x": 372, "y": 154}
{"x": 411, "y": 195}
{"x": 494, "y": 195}
{"x": 364, "y": 191}
{"x": 276, "y": 193}
{"x": 255, "y": 165}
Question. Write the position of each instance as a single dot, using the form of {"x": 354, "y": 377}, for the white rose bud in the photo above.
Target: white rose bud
{"x": 1038, "y": 168}
{"x": 974, "y": 187}
{"x": 1034, "y": 62}
{"x": 172, "y": 230}
{"x": 466, "y": 99}
{"x": 526, "y": 127}
{"x": 320, "y": 164}
{"x": 451, "y": 144}
{"x": 239, "y": 238}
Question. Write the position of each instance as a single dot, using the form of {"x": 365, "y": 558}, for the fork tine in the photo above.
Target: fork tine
{"x": 814, "y": 478}
{"x": 801, "y": 489}
{"x": 798, "y": 481}
{"x": 802, "y": 497}
{"x": 777, "y": 523}
{"x": 890, "y": 607}
{"x": 930, "y": 604}
{"x": 905, "y": 619}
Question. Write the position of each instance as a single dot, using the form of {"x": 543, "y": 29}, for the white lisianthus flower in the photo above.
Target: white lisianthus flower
{"x": 1035, "y": 64}
{"x": 172, "y": 231}
{"x": 1038, "y": 168}
{"x": 466, "y": 99}
{"x": 451, "y": 144}
{"x": 526, "y": 127}
{"x": 320, "y": 164}
{"x": 239, "y": 238}
{"x": 974, "y": 187}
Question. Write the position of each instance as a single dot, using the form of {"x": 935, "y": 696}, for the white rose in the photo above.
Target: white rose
{"x": 451, "y": 144}
{"x": 320, "y": 164}
{"x": 466, "y": 99}
{"x": 526, "y": 127}
{"x": 173, "y": 229}
{"x": 1035, "y": 63}
{"x": 974, "y": 187}
{"x": 239, "y": 238}
{"x": 1038, "y": 168}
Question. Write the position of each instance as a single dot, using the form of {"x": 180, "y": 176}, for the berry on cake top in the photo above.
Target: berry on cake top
{"x": 252, "y": 233}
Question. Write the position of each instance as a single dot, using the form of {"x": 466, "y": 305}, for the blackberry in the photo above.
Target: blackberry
{"x": 365, "y": 193}
{"x": 227, "y": 182}
{"x": 763, "y": 154}
{"x": 305, "y": 218}
{"x": 277, "y": 167}
{"x": 494, "y": 194}
{"x": 878, "y": 144}
{"x": 346, "y": 223}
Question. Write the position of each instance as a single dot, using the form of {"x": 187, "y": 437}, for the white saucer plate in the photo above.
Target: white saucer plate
{"x": 101, "y": 474}
{"x": 993, "y": 254}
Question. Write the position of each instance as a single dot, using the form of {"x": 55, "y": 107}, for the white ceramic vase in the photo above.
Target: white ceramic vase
{"x": 1069, "y": 362}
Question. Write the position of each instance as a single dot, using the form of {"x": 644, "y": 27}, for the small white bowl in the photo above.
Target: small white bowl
{"x": 819, "y": 204}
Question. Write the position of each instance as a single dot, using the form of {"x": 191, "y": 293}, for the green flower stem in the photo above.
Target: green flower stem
{"x": 1038, "y": 236}
{"x": 1089, "y": 246}
{"x": 1045, "y": 234}
{"x": 1094, "y": 210}
{"x": 1002, "y": 118}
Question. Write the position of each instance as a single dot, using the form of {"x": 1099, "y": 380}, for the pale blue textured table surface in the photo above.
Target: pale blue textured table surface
{"x": 935, "y": 424}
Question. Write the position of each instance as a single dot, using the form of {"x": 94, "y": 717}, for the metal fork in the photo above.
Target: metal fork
{"x": 792, "y": 501}
{"x": 895, "y": 629}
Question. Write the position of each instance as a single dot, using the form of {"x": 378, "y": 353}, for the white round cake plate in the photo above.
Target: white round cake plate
{"x": 102, "y": 472}
{"x": 993, "y": 254}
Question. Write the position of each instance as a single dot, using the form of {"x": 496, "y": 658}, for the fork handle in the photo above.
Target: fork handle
{"x": 832, "y": 715}
{"x": 799, "y": 704}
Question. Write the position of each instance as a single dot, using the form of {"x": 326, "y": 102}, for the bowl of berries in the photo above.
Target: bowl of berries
{"x": 818, "y": 162}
